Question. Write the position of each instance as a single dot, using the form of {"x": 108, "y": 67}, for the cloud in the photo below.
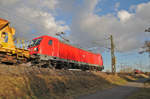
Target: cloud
{"x": 37, "y": 17}
{"x": 117, "y": 5}
{"x": 32, "y": 17}
{"x": 124, "y": 15}
{"x": 6, "y": 3}
{"x": 126, "y": 28}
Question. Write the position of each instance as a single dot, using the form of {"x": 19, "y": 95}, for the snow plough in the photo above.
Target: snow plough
{"x": 9, "y": 53}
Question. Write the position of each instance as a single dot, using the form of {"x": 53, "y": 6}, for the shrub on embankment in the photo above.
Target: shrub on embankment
{"x": 18, "y": 82}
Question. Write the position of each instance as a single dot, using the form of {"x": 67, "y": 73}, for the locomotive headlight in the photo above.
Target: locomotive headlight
{"x": 36, "y": 49}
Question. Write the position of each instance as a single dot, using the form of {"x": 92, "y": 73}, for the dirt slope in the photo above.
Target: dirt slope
{"x": 22, "y": 82}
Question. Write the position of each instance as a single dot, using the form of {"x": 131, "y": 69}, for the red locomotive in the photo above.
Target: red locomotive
{"x": 48, "y": 51}
{"x": 136, "y": 71}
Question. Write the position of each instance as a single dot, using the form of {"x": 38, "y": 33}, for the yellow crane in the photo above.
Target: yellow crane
{"x": 8, "y": 51}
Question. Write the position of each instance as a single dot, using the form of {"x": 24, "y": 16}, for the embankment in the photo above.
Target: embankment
{"x": 21, "y": 82}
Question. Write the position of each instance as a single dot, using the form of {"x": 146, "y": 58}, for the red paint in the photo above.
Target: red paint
{"x": 65, "y": 51}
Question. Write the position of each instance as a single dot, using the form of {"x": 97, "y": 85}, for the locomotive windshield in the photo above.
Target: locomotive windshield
{"x": 35, "y": 42}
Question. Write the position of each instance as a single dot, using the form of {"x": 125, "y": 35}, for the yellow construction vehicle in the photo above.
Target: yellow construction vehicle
{"x": 8, "y": 51}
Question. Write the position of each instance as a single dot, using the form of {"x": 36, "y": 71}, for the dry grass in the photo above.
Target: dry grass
{"x": 19, "y": 82}
{"x": 142, "y": 76}
{"x": 128, "y": 77}
{"x": 112, "y": 79}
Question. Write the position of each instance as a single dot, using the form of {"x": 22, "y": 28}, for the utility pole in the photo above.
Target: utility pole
{"x": 113, "y": 58}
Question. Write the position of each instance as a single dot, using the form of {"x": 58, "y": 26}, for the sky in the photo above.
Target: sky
{"x": 87, "y": 23}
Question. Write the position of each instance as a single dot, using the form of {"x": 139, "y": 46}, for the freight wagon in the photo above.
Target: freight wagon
{"x": 47, "y": 51}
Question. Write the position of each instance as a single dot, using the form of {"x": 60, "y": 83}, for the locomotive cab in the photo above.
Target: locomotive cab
{"x": 44, "y": 45}
{"x": 44, "y": 50}
{"x": 34, "y": 46}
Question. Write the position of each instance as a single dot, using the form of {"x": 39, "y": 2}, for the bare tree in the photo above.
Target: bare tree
{"x": 146, "y": 46}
